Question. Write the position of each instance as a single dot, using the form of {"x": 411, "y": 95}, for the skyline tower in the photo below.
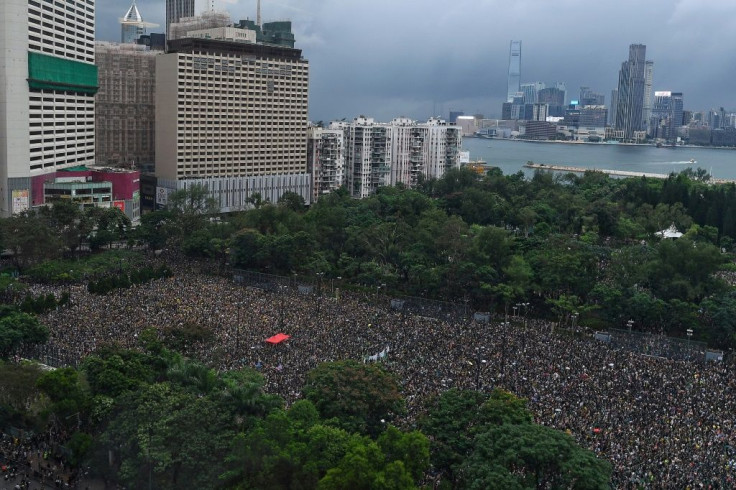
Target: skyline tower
{"x": 648, "y": 80}
{"x": 631, "y": 89}
{"x": 175, "y": 10}
{"x": 48, "y": 83}
{"x": 132, "y": 26}
{"x": 514, "y": 81}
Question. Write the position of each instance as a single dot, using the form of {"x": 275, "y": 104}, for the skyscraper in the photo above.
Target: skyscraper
{"x": 666, "y": 115}
{"x": 612, "y": 108}
{"x": 48, "y": 81}
{"x": 631, "y": 88}
{"x": 514, "y": 70}
{"x": 176, "y": 9}
{"x": 530, "y": 91}
{"x": 132, "y": 26}
{"x": 648, "y": 79}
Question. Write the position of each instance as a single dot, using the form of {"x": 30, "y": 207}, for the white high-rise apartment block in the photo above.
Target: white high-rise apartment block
{"x": 402, "y": 151}
{"x": 326, "y": 159}
{"x": 47, "y": 84}
{"x": 232, "y": 116}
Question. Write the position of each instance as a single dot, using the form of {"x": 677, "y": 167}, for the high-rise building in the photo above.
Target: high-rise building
{"x": 514, "y": 79}
{"x": 554, "y": 97}
{"x": 648, "y": 80}
{"x": 612, "y": 108}
{"x": 530, "y": 91}
{"x": 48, "y": 79}
{"x": 125, "y": 105}
{"x": 176, "y": 10}
{"x": 588, "y": 97}
{"x": 380, "y": 154}
{"x": 326, "y": 159}
{"x": 631, "y": 90}
{"x": 232, "y": 116}
{"x": 666, "y": 115}
{"x": 132, "y": 26}
{"x": 454, "y": 115}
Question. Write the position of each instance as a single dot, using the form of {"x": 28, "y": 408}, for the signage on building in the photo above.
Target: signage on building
{"x": 64, "y": 180}
{"x": 464, "y": 157}
{"x": 162, "y": 196}
{"x": 120, "y": 205}
{"x": 20, "y": 200}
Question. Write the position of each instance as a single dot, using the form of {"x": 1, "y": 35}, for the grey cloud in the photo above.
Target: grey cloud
{"x": 387, "y": 58}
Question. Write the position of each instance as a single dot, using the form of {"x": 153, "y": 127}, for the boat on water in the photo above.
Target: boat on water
{"x": 692, "y": 161}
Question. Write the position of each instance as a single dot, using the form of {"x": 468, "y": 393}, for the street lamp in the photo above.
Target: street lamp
{"x": 689, "y": 332}
{"x": 574, "y": 319}
{"x": 629, "y": 324}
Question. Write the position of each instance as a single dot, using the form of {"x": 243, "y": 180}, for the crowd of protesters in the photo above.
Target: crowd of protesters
{"x": 30, "y": 463}
{"x": 661, "y": 423}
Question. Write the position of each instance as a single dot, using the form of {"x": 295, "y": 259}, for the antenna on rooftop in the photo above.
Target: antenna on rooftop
{"x": 258, "y": 14}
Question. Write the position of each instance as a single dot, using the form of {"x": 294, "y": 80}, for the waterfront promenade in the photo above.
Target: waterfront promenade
{"x": 617, "y": 173}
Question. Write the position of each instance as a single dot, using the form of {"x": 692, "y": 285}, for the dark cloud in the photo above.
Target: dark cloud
{"x": 387, "y": 58}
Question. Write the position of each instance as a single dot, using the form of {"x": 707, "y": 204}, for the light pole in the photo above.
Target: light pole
{"x": 629, "y": 324}
{"x": 689, "y": 332}
{"x": 526, "y": 310}
{"x": 574, "y": 319}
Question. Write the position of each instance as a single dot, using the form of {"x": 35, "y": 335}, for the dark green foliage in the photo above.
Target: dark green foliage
{"x": 494, "y": 444}
{"x": 18, "y": 328}
{"x": 361, "y": 397}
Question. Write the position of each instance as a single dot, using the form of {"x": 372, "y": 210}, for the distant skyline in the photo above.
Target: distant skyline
{"x": 418, "y": 58}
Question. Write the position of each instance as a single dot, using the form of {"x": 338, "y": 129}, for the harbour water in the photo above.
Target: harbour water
{"x": 510, "y": 156}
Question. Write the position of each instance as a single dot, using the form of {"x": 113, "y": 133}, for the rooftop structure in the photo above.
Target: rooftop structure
{"x": 132, "y": 26}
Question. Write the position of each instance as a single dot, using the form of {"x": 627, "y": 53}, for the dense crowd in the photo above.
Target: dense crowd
{"x": 661, "y": 423}
{"x": 33, "y": 463}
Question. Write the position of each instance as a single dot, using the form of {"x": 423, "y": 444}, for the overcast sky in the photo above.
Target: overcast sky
{"x": 416, "y": 58}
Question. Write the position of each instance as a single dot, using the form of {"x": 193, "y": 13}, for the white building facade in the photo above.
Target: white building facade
{"x": 48, "y": 81}
{"x": 401, "y": 151}
{"x": 326, "y": 159}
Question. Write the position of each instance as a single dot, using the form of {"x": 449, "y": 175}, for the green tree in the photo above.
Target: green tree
{"x": 529, "y": 456}
{"x": 18, "y": 328}
{"x": 362, "y": 397}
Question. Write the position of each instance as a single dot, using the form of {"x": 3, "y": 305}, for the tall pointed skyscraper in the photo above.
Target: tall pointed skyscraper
{"x": 132, "y": 26}
{"x": 514, "y": 82}
{"x": 631, "y": 88}
{"x": 175, "y": 10}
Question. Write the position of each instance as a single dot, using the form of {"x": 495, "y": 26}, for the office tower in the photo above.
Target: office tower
{"x": 554, "y": 97}
{"x": 666, "y": 115}
{"x": 631, "y": 85}
{"x": 47, "y": 84}
{"x": 562, "y": 87}
{"x": 539, "y": 112}
{"x": 402, "y": 151}
{"x": 132, "y": 26}
{"x": 454, "y": 115}
{"x": 326, "y": 159}
{"x": 125, "y": 105}
{"x": 514, "y": 80}
{"x": 232, "y": 116}
{"x": 530, "y": 92}
{"x": 612, "y": 109}
{"x": 593, "y": 116}
{"x": 176, "y": 10}
{"x": 588, "y": 97}
{"x": 648, "y": 79}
